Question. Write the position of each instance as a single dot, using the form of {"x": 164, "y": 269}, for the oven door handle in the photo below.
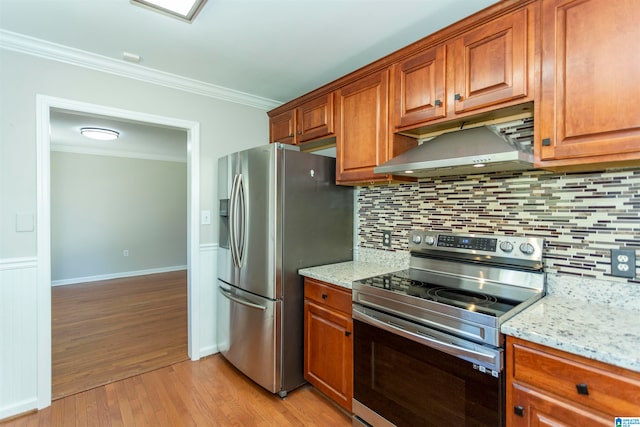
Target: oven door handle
{"x": 448, "y": 348}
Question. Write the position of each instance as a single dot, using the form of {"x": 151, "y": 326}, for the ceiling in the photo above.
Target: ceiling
{"x": 275, "y": 49}
{"x": 272, "y": 49}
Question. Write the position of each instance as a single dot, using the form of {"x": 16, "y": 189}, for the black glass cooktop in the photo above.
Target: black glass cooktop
{"x": 405, "y": 282}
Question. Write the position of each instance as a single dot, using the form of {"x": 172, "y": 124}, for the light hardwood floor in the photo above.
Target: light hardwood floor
{"x": 110, "y": 330}
{"x": 208, "y": 392}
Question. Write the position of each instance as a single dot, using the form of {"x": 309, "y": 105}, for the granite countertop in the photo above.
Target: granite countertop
{"x": 595, "y": 319}
{"x": 345, "y": 273}
{"x": 605, "y": 329}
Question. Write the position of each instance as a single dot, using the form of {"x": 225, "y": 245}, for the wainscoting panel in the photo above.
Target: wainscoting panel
{"x": 208, "y": 299}
{"x": 18, "y": 336}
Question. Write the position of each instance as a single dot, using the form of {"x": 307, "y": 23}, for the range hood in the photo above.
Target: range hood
{"x": 487, "y": 148}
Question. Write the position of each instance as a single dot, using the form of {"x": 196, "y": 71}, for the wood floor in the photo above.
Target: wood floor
{"x": 208, "y": 392}
{"x": 109, "y": 330}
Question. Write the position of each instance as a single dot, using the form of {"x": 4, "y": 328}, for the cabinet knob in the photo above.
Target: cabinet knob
{"x": 347, "y": 333}
{"x": 582, "y": 389}
{"x": 546, "y": 142}
{"x": 290, "y": 135}
{"x": 299, "y": 132}
{"x": 457, "y": 97}
{"x": 325, "y": 296}
{"x": 518, "y": 410}
{"x": 438, "y": 103}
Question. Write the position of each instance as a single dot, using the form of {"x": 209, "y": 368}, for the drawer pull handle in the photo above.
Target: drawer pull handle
{"x": 518, "y": 410}
{"x": 438, "y": 103}
{"x": 347, "y": 333}
{"x": 582, "y": 389}
{"x": 325, "y": 296}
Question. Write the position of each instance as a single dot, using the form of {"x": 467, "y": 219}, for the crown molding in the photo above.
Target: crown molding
{"x": 56, "y": 52}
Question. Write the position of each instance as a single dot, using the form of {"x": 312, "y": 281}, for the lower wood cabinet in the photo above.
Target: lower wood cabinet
{"x": 328, "y": 340}
{"x": 548, "y": 387}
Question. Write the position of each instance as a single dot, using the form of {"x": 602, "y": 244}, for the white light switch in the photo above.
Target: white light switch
{"x": 24, "y": 221}
{"x": 205, "y": 217}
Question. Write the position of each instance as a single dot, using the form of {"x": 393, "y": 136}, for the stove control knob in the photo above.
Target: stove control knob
{"x": 527, "y": 248}
{"x": 429, "y": 240}
{"x": 416, "y": 239}
{"x": 506, "y": 246}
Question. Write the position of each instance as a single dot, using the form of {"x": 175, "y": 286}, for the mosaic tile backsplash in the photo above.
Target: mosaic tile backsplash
{"x": 581, "y": 215}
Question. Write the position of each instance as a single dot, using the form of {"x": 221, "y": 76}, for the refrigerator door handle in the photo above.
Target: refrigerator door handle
{"x": 233, "y": 221}
{"x": 242, "y": 220}
{"x": 230, "y": 296}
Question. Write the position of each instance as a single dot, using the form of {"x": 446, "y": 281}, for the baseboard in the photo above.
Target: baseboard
{"x": 208, "y": 350}
{"x": 17, "y": 409}
{"x": 120, "y": 275}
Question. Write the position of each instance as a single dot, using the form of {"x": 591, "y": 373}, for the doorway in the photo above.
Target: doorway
{"x": 44, "y": 106}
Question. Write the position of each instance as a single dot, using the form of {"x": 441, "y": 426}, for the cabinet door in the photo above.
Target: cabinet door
{"x": 491, "y": 63}
{"x": 315, "y": 118}
{"x": 362, "y": 131}
{"x": 590, "y": 102}
{"x": 328, "y": 353}
{"x": 419, "y": 88}
{"x": 534, "y": 409}
{"x": 282, "y": 127}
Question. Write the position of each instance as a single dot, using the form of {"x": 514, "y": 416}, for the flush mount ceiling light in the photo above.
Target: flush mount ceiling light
{"x": 183, "y": 9}
{"x": 100, "y": 133}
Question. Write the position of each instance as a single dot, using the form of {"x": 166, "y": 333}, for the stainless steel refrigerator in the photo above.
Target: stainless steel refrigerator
{"x": 280, "y": 210}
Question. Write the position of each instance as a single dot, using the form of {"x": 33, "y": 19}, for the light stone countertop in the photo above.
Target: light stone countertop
{"x": 367, "y": 263}
{"x": 595, "y": 319}
{"x": 600, "y": 327}
{"x": 345, "y": 273}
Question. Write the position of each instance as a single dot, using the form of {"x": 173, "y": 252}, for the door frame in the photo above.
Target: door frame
{"x": 44, "y": 104}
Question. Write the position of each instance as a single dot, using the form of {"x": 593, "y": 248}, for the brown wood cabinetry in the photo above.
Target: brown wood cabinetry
{"x": 488, "y": 67}
{"x": 328, "y": 342}
{"x": 282, "y": 128}
{"x": 548, "y": 387}
{"x": 363, "y": 137}
{"x": 419, "y": 88}
{"x": 589, "y": 104}
{"x": 311, "y": 120}
{"x": 362, "y": 132}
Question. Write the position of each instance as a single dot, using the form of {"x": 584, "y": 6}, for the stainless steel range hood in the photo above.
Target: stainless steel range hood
{"x": 488, "y": 148}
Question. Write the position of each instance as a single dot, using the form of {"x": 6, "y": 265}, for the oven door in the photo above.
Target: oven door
{"x": 407, "y": 375}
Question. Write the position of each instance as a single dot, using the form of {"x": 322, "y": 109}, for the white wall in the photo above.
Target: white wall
{"x": 103, "y": 205}
{"x": 224, "y": 127}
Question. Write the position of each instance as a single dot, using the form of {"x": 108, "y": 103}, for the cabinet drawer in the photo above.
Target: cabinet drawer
{"x": 607, "y": 389}
{"x": 328, "y": 295}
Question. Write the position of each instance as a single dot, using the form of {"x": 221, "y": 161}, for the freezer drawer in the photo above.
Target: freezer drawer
{"x": 248, "y": 334}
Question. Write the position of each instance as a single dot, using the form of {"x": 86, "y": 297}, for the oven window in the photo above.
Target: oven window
{"x": 410, "y": 384}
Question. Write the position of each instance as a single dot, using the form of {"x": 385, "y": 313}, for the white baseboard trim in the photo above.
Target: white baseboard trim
{"x": 18, "y": 408}
{"x": 120, "y": 275}
{"x": 208, "y": 350}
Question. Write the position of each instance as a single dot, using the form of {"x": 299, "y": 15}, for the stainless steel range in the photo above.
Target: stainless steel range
{"x": 427, "y": 343}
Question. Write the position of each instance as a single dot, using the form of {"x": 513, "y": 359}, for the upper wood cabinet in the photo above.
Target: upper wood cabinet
{"x": 589, "y": 104}
{"x": 491, "y": 63}
{"x": 282, "y": 127}
{"x": 362, "y": 129}
{"x": 419, "y": 88}
{"x": 486, "y": 68}
{"x": 311, "y": 120}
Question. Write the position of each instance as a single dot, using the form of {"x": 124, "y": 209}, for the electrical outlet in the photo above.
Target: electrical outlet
{"x": 623, "y": 262}
{"x": 125, "y": 252}
{"x": 386, "y": 237}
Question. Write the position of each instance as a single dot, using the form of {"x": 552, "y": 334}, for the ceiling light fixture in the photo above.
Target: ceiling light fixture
{"x": 183, "y": 9}
{"x": 100, "y": 133}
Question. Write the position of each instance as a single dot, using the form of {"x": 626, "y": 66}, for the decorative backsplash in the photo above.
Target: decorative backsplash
{"x": 581, "y": 215}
